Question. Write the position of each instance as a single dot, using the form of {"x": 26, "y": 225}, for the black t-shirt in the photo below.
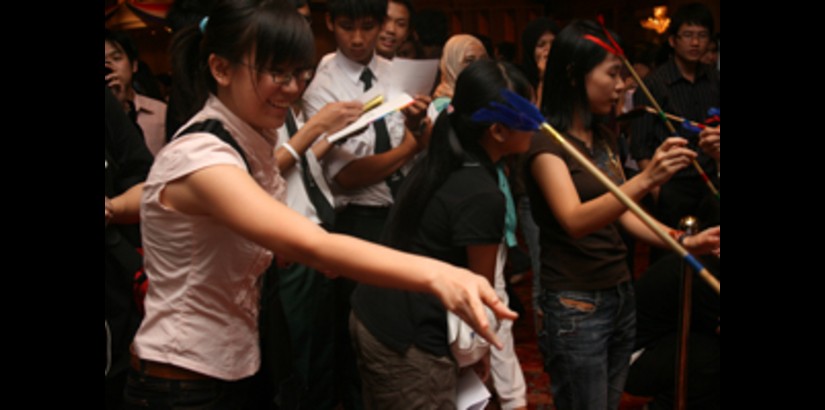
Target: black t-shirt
{"x": 596, "y": 261}
{"x": 467, "y": 210}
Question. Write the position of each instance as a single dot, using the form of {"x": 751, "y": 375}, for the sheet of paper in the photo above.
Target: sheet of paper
{"x": 413, "y": 77}
{"x": 393, "y": 104}
{"x": 471, "y": 393}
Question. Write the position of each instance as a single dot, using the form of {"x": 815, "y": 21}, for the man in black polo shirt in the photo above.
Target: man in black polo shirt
{"x": 688, "y": 88}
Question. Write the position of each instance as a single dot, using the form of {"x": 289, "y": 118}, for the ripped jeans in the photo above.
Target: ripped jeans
{"x": 587, "y": 341}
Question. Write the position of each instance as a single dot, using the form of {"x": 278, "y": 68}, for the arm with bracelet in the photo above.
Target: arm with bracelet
{"x": 332, "y": 117}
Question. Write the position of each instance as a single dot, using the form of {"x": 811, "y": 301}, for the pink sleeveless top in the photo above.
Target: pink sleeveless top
{"x": 203, "y": 298}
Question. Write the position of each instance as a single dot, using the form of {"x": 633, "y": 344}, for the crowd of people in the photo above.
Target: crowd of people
{"x": 253, "y": 264}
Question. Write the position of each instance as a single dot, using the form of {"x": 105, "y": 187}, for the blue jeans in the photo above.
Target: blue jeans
{"x": 146, "y": 392}
{"x": 587, "y": 341}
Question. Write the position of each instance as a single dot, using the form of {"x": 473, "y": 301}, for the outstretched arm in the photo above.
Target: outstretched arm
{"x": 230, "y": 195}
{"x": 581, "y": 219}
{"x": 707, "y": 241}
{"x": 124, "y": 208}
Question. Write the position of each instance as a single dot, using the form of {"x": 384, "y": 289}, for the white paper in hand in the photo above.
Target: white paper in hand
{"x": 413, "y": 77}
{"x": 471, "y": 393}
{"x": 394, "y": 104}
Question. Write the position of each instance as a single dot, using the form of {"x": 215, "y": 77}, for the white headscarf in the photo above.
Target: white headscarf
{"x": 452, "y": 62}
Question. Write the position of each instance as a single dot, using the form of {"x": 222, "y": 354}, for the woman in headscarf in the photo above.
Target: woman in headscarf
{"x": 460, "y": 51}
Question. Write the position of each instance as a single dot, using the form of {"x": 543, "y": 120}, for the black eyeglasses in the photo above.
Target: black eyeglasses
{"x": 281, "y": 78}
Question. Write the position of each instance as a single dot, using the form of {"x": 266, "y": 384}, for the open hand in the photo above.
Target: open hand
{"x": 707, "y": 241}
{"x": 464, "y": 293}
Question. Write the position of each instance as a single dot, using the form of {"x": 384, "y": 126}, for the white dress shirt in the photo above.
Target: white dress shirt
{"x": 339, "y": 79}
{"x": 151, "y": 117}
{"x": 297, "y": 198}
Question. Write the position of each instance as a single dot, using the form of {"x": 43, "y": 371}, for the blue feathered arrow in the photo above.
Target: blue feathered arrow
{"x": 518, "y": 113}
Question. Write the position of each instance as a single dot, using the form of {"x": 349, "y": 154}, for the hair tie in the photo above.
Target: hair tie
{"x": 202, "y": 24}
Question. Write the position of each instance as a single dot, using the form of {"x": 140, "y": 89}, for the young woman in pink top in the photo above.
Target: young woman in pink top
{"x": 212, "y": 219}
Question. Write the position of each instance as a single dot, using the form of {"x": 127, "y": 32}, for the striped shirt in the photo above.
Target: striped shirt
{"x": 681, "y": 97}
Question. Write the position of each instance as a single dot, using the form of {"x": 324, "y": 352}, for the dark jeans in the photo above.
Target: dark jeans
{"x": 114, "y": 391}
{"x": 587, "y": 341}
{"x": 145, "y": 392}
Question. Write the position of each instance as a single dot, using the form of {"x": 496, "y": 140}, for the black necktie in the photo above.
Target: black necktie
{"x": 326, "y": 213}
{"x": 132, "y": 114}
{"x": 382, "y": 136}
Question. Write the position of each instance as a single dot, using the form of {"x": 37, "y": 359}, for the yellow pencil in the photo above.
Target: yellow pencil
{"x": 376, "y": 101}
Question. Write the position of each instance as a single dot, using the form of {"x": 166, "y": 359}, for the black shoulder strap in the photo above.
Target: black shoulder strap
{"x": 325, "y": 210}
{"x": 291, "y": 125}
{"x": 215, "y": 128}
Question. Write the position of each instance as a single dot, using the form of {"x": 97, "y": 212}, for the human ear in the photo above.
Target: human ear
{"x": 221, "y": 69}
{"x": 498, "y": 132}
{"x": 330, "y": 25}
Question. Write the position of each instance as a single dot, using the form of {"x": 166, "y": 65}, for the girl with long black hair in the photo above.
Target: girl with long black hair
{"x": 588, "y": 300}
{"x": 451, "y": 208}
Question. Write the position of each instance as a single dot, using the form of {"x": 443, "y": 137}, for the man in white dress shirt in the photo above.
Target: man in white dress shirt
{"x": 360, "y": 169}
{"x": 365, "y": 169}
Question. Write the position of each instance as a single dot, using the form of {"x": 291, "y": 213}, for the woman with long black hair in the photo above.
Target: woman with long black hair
{"x": 536, "y": 41}
{"x": 587, "y": 300}
{"x": 451, "y": 208}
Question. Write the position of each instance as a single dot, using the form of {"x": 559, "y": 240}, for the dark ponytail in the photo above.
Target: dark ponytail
{"x": 455, "y": 141}
{"x": 270, "y": 30}
{"x": 186, "y": 96}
